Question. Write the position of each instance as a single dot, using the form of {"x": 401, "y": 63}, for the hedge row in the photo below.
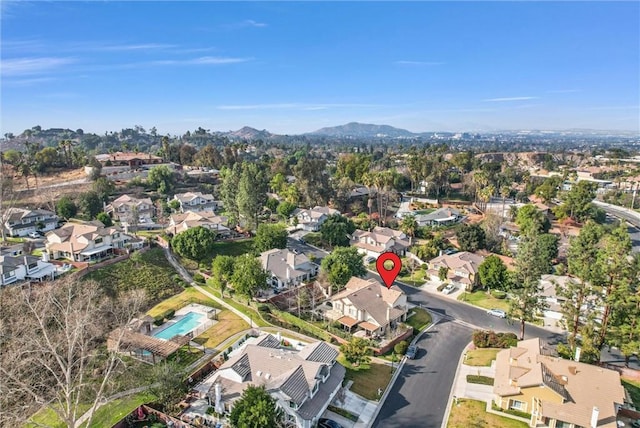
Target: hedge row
{"x": 480, "y": 380}
{"x": 491, "y": 339}
{"x": 159, "y": 319}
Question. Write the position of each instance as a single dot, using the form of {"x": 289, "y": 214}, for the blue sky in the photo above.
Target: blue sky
{"x": 296, "y": 67}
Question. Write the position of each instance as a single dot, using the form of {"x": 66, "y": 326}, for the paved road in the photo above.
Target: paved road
{"x": 631, "y": 217}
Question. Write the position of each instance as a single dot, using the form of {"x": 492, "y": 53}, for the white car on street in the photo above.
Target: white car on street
{"x": 497, "y": 313}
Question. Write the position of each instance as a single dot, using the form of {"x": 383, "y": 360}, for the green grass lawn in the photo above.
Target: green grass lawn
{"x": 472, "y": 413}
{"x": 47, "y": 417}
{"x": 415, "y": 279}
{"x": 149, "y": 271}
{"x": 481, "y": 357}
{"x": 107, "y": 415}
{"x": 233, "y": 248}
{"x": 190, "y": 295}
{"x": 420, "y": 319}
{"x": 484, "y": 300}
{"x": 633, "y": 386}
{"x": 250, "y": 312}
{"x": 228, "y": 324}
{"x": 367, "y": 378}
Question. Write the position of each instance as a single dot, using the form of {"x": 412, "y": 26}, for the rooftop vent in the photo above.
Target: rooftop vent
{"x": 259, "y": 373}
{"x": 267, "y": 376}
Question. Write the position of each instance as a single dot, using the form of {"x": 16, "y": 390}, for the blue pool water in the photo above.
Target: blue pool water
{"x": 187, "y": 324}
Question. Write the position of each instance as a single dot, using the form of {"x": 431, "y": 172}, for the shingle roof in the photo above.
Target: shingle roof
{"x": 295, "y": 386}
{"x": 269, "y": 341}
{"x": 372, "y": 297}
{"x": 320, "y": 352}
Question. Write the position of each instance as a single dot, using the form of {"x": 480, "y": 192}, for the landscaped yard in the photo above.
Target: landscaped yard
{"x": 415, "y": 279}
{"x": 228, "y": 324}
{"x": 481, "y": 357}
{"x": 149, "y": 271}
{"x": 472, "y": 413}
{"x": 633, "y": 386}
{"x": 367, "y": 378}
{"x": 233, "y": 248}
{"x": 250, "y": 312}
{"x": 420, "y": 318}
{"x": 189, "y": 295}
{"x": 484, "y": 300}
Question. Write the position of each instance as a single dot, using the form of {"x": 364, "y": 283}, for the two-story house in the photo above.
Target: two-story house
{"x": 557, "y": 393}
{"x": 311, "y": 219}
{"x": 462, "y": 268}
{"x": 130, "y": 210}
{"x": 303, "y": 383}
{"x": 182, "y": 222}
{"x": 85, "y": 241}
{"x": 369, "y": 305}
{"x": 380, "y": 240}
{"x": 22, "y": 222}
{"x": 19, "y": 268}
{"x": 196, "y": 201}
{"x": 286, "y": 268}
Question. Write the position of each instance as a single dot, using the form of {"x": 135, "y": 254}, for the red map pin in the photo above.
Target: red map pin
{"x": 388, "y": 275}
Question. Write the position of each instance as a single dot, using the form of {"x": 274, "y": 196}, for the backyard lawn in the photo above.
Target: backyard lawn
{"x": 482, "y": 299}
{"x": 472, "y": 413}
{"x": 250, "y": 312}
{"x": 367, "y": 378}
{"x": 233, "y": 248}
{"x": 189, "y": 295}
{"x": 481, "y": 357}
{"x": 420, "y": 319}
{"x": 228, "y": 324}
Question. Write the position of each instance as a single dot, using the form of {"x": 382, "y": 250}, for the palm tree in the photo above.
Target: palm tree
{"x": 409, "y": 225}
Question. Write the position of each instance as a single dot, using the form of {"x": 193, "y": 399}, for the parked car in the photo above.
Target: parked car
{"x": 412, "y": 352}
{"x": 497, "y": 313}
{"x": 34, "y": 235}
{"x": 449, "y": 289}
{"x": 370, "y": 259}
{"x": 328, "y": 423}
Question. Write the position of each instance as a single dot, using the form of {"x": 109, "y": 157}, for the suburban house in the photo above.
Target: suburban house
{"x": 462, "y": 268}
{"x": 184, "y": 221}
{"x": 21, "y": 222}
{"x": 556, "y": 392}
{"x": 369, "y": 305}
{"x": 550, "y": 284}
{"x": 380, "y": 240}
{"x": 129, "y": 159}
{"x": 131, "y": 210}
{"x": 440, "y": 217}
{"x": 25, "y": 267}
{"x": 303, "y": 383}
{"x": 311, "y": 219}
{"x": 196, "y": 201}
{"x": 86, "y": 241}
{"x": 286, "y": 268}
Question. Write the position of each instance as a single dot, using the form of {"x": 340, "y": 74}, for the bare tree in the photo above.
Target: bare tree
{"x": 52, "y": 354}
{"x": 7, "y": 197}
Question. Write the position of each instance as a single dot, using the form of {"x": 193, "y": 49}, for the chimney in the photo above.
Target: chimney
{"x": 578, "y": 351}
{"x": 218, "y": 404}
{"x": 45, "y": 256}
{"x": 279, "y": 337}
{"x": 388, "y": 314}
{"x": 440, "y": 253}
{"x": 73, "y": 256}
{"x": 595, "y": 413}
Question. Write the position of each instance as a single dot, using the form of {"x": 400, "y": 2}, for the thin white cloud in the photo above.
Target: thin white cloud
{"x": 419, "y": 63}
{"x": 506, "y": 99}
{"x": 31, "y": 66}
{"x": 26, "y": 82}
{"x": 203, "y": 60}
{"x": 296, "y": 106}
{"x": 135, "y": 47}
{"x": 252, "y": 23}
{"x": 563, "y": 91}
{"x": 247, "y": 23}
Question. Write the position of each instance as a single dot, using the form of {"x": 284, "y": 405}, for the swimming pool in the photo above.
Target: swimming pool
{"x": 185, "y": 325}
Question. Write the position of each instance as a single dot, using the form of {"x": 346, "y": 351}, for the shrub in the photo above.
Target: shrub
{"x": 401, "y": 347}
{"x": 158, "y": 320}
{"x": 491, "y": 339}
{"x": 498, "y": 294}
{"x": 518, "y": 413}
{"x": 441, "y": 286}
{"x": 170, "y": 314}
{"x": 480, "y": 380}
{"x": 264, "y": 308}
{"x": 198, "y": 278}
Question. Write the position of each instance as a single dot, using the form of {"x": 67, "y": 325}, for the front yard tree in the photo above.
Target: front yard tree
{"x": 470, "y": 237}
{"x": 104, "y": 219}
{"x": 530, "y": 265}
{"x": 90, "y": 204}
{"x": 229, "y": 191}
{"x": 337, "y": 230}
{"x": 409, "y": 226}
{"x": 222, "y": 271}
{"x": 251, "y": 193}
{"x": 531, "y": 221}
{"x": 493, "y": 273}
{"x": 578, "y": 201}
{"x": 256, "y": 409}
{"x": 51, "y": 353}
{"x": 285, "y": 209}
{"x": 195, "y": 244}
{"x": 161, "y": 178}
{"x": 342, "y": 264}
{"x": 270, "y": 236}
{"x": 356, "y": 351}
{"x": 248, "y": 277}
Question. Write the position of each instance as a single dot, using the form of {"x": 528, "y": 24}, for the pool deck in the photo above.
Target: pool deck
{"x": 184, "y": 311}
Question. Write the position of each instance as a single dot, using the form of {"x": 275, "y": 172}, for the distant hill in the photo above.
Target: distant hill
{"x": 364, "y": 130}
{"x": 249, "y": 133}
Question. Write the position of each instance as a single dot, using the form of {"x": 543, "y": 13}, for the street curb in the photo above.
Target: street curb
{"x": 447, "y": 412}
{"x": 387, "y": 390}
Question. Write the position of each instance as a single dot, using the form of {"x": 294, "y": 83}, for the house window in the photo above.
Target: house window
{"x": 518, "y": 405}
{"x": 353, "y": 311}
{"x": 10, "y": 274}
{"x": 315, "y": 389}
{"x": 33, "y": 266}
{"x": 98, "y": 241}
{"x": 293, "y": 405}
{"x": 560, "y": 424}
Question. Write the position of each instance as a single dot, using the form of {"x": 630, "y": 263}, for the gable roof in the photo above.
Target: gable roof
{"x": 440, "y": 214}
{"x": 282, "y": 262}
{"x": 190, "y": 196}
{"x": 320, "y": 352}
{"x": 464, "y": 259}
{"x": 371, "y": 296}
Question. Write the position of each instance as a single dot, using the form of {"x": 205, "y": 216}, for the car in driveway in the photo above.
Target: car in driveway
{"x": 497, "y": 313}
{"x": 34, "y": 235}
{"x": 328, "y": 423}
{"x": 449, "y": 289}
{"x": 412, "y": 352}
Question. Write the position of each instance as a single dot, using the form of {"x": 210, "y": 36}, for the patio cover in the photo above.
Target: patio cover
{"x": 369, "y": 326}
{"x": 45, "y": 271}
{"x": 96, "y": 250}
{"x": 347, "y": 321}
{"x": 132, "y": 340}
